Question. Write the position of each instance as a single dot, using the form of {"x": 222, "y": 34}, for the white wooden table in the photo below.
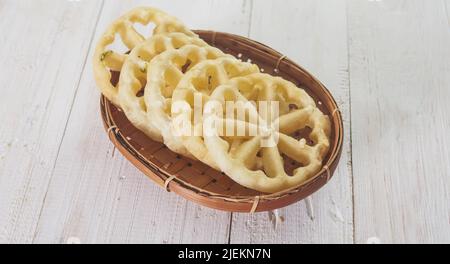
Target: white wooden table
{"x": 387, "y": 62}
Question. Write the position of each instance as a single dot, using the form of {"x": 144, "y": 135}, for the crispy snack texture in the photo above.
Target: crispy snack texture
{"x": 134, "y": 84}
{"x": 262, "y": 131}
{"x": 193, "y": 90}
{"x": 106, "y": 60}
{"x": 262, "y": 166}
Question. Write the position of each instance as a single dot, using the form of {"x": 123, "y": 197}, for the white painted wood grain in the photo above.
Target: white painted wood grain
{"x": 43, "y": 51}
{"x": 312, "y": 33}
{"x": 59, "y": 183}
{"x": 399, "y": 68}
{"x": 97, "y": 198}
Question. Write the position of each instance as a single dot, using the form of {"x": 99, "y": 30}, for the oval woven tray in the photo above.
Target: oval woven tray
{"x": 202, "y": 184}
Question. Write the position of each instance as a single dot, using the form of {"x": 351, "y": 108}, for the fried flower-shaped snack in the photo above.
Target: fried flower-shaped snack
{"x": 106, "y": 60}
{"x": 193, "y": 91}
{"x": 246, "y": 159}
{"x": 133, "y": 77}
{"x": 164, "y": 73}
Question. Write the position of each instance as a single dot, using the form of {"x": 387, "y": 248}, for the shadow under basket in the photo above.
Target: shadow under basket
{"x": 203, "y": 185}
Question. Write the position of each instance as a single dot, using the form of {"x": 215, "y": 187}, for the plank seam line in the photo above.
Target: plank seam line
{"x": 229, "y": 228}
{"x": 140, "y": 189}
{"x": 183, "y": 226}
{"x": 350, "y": 124}
{"x": 68, "y": 118}
{"x": 250, "y": 18}
{"x": 446, "y": 10}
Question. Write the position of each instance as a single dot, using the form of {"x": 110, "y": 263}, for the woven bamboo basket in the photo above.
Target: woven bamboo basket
{"x": 198, "y": 182}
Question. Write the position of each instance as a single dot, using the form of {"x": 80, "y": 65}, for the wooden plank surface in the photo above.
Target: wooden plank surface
{"x": 386, "y": 62}
{"x": 43, "y": 51}
{"x": 399, "y": 68}
{"x": 312, "y": 33}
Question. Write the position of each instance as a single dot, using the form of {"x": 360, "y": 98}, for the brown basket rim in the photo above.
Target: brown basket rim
{"x": 170, "y": 182}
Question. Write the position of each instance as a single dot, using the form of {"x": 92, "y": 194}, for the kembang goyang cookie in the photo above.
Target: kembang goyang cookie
{"x": 262, "y": 131}
{"x": 134, "y": 76}
{"x": 164, "y": 73}
{"x": 193, "y": 91}
{"x": 106, "y": 60}
{"x": 244, "y": 158}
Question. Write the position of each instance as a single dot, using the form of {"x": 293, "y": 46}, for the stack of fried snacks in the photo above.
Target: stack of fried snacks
{"x": 210, "y": 106}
